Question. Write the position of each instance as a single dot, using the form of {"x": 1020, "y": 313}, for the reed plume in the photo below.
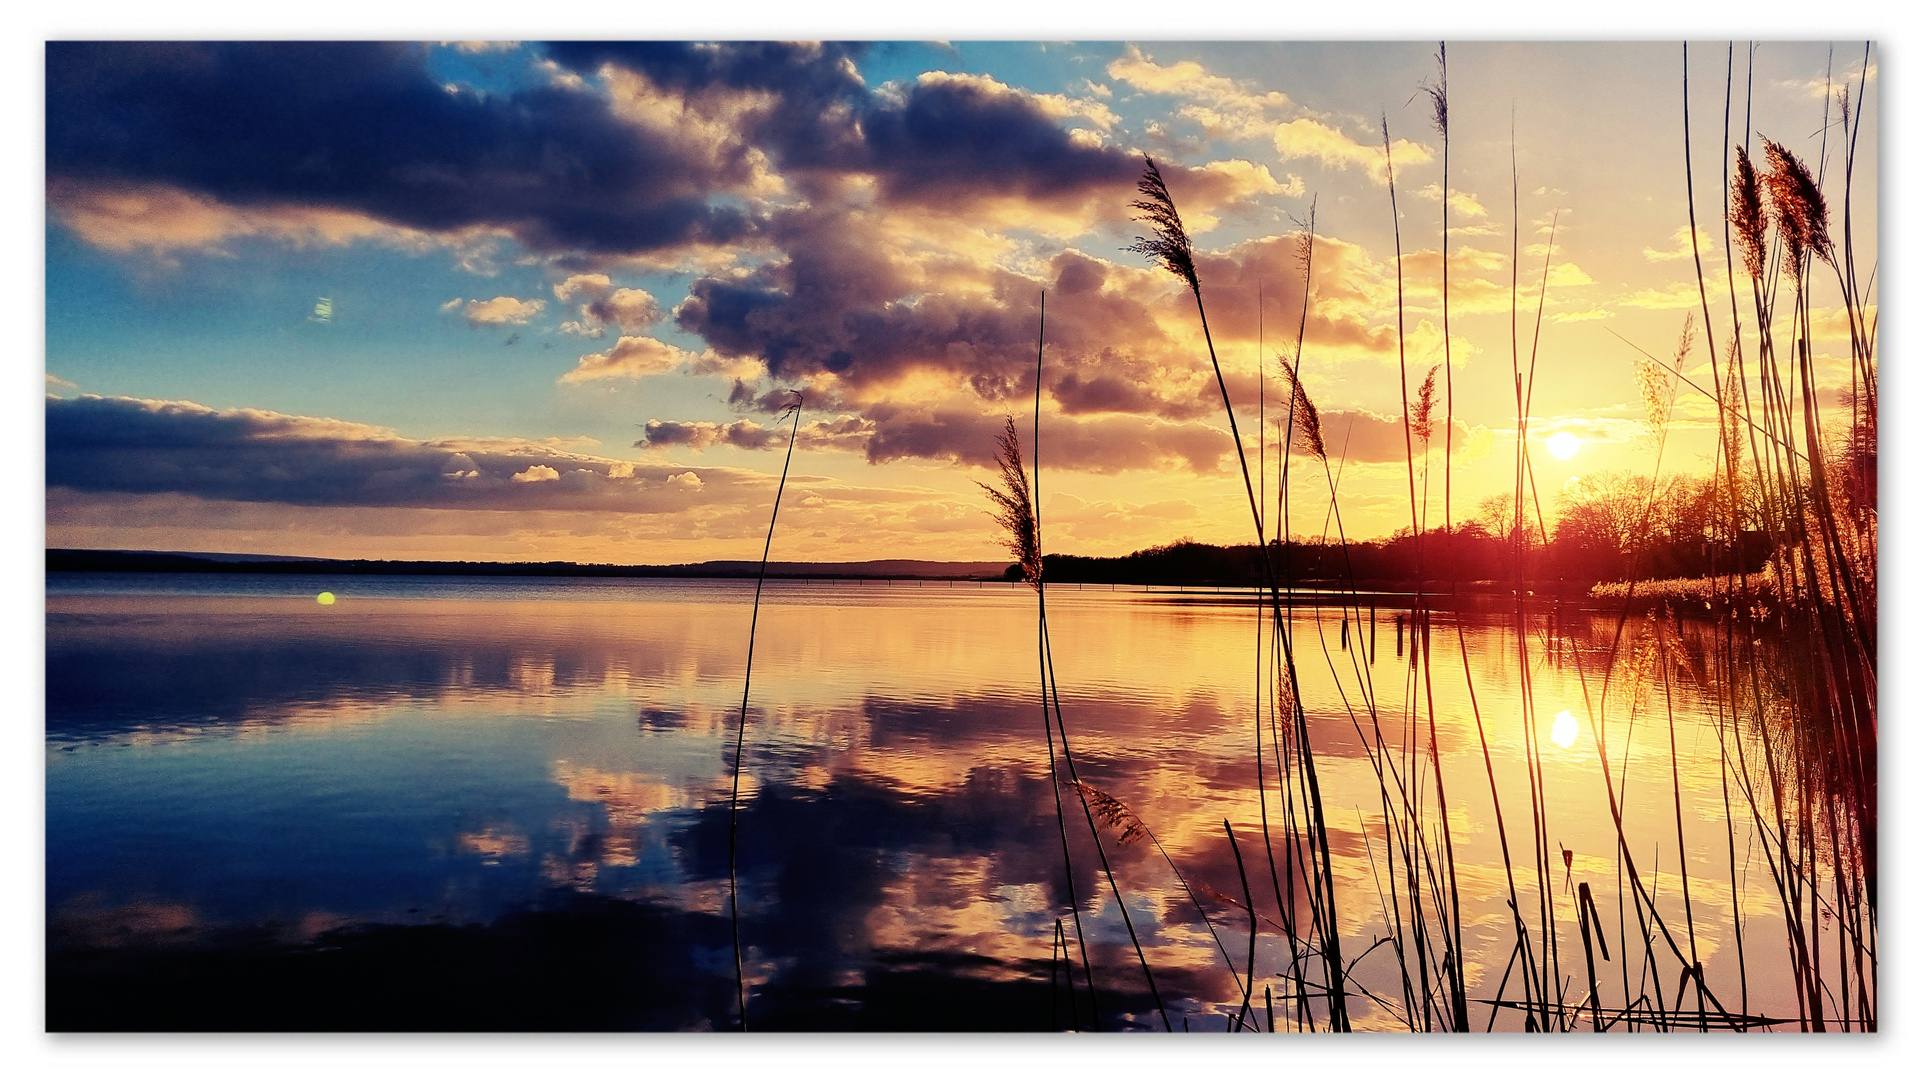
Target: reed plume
{"x": 1112, "y": 813}
{"x": 1437, "y": 92}
{"x": 1798, "y": 207}
{"x": 1307, "y": 418}
{"x": 1749, "y": 215}
{"x": 1423, "y": 408}
{"x": 1656, "y": 387}
{"x": 1170, "y": 245}
{"x": 1013, "y": 507}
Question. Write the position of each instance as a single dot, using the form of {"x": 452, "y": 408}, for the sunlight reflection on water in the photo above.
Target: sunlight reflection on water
{"x": 223, "y": 754}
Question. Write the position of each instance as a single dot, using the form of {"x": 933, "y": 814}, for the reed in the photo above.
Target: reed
{"x": 740, "y": 736}
{"x": 1171, "y": 247}
{"x": 1017, "y": 511}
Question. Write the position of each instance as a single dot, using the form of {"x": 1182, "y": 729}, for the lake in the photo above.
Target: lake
{"x": 503, "y": 804}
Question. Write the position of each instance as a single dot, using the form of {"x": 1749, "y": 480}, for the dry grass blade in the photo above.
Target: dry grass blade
{"x": 1014, "y": 506}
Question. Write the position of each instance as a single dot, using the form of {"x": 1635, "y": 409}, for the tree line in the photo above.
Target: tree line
{"x": 1614, "y": 526}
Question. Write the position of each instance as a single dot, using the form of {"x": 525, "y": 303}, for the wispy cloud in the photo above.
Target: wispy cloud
{"x": 499, "y": 311}
{"x": 632, "y": 357}
{"x": 1683, "y": 245}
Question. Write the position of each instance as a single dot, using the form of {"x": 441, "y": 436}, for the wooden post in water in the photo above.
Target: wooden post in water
{"x": 1399, "y": 638}
{"x": 1343, "y": 633}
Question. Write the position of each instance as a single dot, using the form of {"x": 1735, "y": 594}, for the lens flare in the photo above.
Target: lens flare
{"x": 1563, "y": 445}
{"x": 325, "y": 599}
{"x": 1565, "y": 728}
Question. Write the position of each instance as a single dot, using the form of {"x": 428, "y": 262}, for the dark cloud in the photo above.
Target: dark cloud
{"x": 941, "y": 139}
{"x": 1103, "y": 444}
{"x": 958, "y": 138}
{"x": 132, "y": 446}
{"x": 364, "y": 127}
{"x": 698, "y": 434}
{"x": 813, "y": 94}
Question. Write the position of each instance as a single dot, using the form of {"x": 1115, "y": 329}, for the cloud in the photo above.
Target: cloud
{"x": 630, "y": 358}
{"x": 1224, "y": 108}
{"x": 944, "y": 143}
{"x": 1361, "y": 435}
{"x": 134, "y": 446}
{"x": 1821, "y": 85}
{"x": 1461, "y": 202}
{"x": 1235, "y": 109}
{"x": 582, "y": 285}
{"x": 1683, "y": 246}
{"x": 127, "y": 217}
{"x": 628, "y": 309}
{"x": 1309, "y": 138}
{"x": 846, "y": 433}
{"x": 499, "y": 311}
{"x": 862, "y": 330}
{"x": 661, "y": 152}
{"x": 1677, "y": 296}
{"x": 700, "y": 434}
{"x": 1099, "y": 444}
{"x": 181, "y": 139}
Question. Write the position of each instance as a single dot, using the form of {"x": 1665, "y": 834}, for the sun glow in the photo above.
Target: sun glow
{"x": 1565, "y": 728}
{"x": 1563, "y": 445}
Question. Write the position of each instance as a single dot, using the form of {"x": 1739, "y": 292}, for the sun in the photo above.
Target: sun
{"x": 1566, "y": 728}
{"x": 1563, "y": 445}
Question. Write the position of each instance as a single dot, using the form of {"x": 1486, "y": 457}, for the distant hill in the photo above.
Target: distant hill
{"x": 165, "y": 562}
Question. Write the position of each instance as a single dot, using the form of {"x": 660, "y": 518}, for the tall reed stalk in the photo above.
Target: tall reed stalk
{"x": 1018, "y": 512}
{"x": 1171, "y": 247}
{"x": 740, "y": 737}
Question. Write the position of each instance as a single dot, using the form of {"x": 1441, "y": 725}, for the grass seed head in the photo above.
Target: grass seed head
{"x": 1423, "y": 409}
{"x": 1656, "y": 380}
{"x": 1112, "y": 813}
{"x": 1013, "y": 505}
{"x": 1170, "y": 245}
{"x": 1748, "y": 215}
{"x": 1798, "y": 206}
{"x": 1436, "y": 91}
{"x": 1306, "y": 418}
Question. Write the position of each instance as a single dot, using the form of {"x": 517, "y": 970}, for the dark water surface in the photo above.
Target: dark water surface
{"x": 446, "y": 803}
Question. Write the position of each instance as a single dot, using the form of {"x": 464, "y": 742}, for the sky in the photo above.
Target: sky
{"x": 548, "y": 301}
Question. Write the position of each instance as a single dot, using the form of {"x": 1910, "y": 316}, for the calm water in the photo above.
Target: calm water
{"x": 452, "y": 803}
